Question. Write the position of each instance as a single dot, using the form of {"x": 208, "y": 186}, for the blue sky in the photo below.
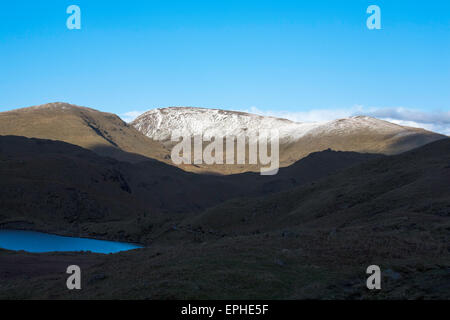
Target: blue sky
{"x": 306, "y": 60}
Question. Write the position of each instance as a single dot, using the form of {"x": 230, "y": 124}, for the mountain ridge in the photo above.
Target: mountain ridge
{"x": 297, "y": 140}
{"x": 148, "y": 136}
{"x": 196, "y": 120}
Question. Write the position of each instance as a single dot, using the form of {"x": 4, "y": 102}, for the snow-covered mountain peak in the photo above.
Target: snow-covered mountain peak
{"x": 159, "y": 124}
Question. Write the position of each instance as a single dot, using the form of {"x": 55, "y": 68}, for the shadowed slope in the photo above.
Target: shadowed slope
{"x": 412, "y": 188}
{"x": 311, "y": 242}
{"x": 59, "y": 186}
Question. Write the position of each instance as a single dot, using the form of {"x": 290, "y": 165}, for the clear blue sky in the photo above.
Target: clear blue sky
{"x": 275, "y": 55}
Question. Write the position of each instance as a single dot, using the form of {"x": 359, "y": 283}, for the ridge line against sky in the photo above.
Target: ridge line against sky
{"x": 297, "y": 59}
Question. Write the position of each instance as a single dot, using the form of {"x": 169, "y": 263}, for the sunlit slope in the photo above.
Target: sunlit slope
{"x": 104, "y": 133}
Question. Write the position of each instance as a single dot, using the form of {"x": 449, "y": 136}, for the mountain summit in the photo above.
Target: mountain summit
{"x": 158, "y": 124}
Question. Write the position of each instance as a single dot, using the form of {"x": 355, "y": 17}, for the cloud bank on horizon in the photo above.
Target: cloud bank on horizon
{"x": 436, "y": 121}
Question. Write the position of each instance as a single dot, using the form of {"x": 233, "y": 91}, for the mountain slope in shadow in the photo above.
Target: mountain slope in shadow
{"x": 413, "y": 187}
{"x": 58, "y": 186}
{"x": 314, "y": 241}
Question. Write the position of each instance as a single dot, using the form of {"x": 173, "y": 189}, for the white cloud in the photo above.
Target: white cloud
{"x": 315, "y": 115}
{"x": 437, "y": 121}
{"x": 131, "y": 115}
{"x": 435, "y": 127}
{"x": 438, "y": 117}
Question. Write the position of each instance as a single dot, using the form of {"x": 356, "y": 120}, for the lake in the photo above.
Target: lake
{"x": 32, "y": 241}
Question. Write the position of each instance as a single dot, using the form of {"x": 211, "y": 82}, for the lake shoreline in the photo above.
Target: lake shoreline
{"x": 22, "y": 225}
{"x": 32, "y": 241}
